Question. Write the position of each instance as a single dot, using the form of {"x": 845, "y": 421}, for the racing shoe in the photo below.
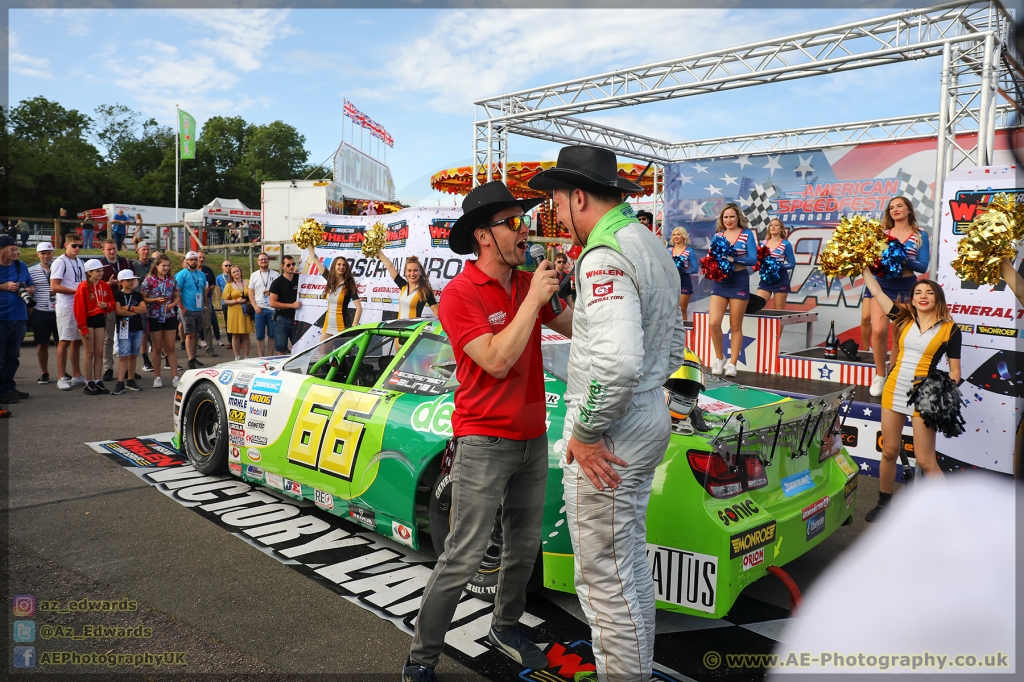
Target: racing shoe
{"x": 413, "y": 672}
{"x": 730, "y": 369}
{"x": 883, "y": 502}
{"x": 514, "y": 644}
{"x": 718, "y": 366}
{"x": 876, "y": 386}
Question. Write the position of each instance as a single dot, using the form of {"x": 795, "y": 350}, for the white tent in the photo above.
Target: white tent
{"x": 223, "y": 209}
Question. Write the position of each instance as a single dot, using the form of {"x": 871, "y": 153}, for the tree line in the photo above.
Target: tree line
{"x": 57, "y": 157}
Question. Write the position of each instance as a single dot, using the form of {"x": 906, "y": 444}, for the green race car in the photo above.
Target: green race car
{"x": 358, "y": 425}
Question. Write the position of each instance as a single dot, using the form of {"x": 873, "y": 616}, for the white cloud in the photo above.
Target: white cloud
{"x": 468, "y": 55}
{"x": 26, "y": 64}
{"x": 73, "y": 22}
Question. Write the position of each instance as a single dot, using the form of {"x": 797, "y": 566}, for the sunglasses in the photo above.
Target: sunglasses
{"x": 289, "y": 265}
{"x": 515, "y": 223}
{"x": 74, "y": 246}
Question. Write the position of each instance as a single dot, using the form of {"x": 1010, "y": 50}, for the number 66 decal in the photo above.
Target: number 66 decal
{"x": 323, "y": 436}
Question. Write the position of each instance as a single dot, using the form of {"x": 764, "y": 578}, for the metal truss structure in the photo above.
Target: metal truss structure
{"x": 979, "y": 64}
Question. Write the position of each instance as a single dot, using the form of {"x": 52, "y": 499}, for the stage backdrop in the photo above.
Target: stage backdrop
{"x": 990, "y": 319}
{"x": 421, "y": 232}
{"x": 809, "y": 191}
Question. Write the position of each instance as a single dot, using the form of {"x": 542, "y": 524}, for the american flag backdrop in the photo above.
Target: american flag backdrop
{"x": 768, "y": 329}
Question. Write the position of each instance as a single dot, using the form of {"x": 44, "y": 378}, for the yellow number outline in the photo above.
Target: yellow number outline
{"x": 324, "y": 419}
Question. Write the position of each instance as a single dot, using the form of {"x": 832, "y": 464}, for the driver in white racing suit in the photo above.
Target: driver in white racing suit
{"x": 628, "y": 337}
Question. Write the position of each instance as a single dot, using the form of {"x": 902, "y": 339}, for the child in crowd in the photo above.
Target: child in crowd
{"x": 93, "y": 300}
{"x": 130, "y": 308}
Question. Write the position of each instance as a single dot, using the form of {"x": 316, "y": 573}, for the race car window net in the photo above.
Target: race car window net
{"x": 748, "y": 440}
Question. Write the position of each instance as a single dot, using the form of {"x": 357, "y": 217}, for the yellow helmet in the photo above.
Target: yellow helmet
{"x": 684, "y": 385}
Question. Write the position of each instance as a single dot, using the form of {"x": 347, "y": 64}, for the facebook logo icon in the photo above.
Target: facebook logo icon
{"x": 24, "y": 657}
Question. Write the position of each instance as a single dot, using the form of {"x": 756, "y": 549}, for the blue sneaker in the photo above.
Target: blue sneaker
{"x": 414, "y": 672}
{"x": 514, "y": 644}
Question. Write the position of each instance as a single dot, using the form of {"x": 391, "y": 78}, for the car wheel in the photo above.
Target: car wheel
{"x": 484, "y": 583}
{"x": 204, "y": 430}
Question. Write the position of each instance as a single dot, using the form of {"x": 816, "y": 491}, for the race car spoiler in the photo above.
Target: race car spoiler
{"x": 801, "y": 426}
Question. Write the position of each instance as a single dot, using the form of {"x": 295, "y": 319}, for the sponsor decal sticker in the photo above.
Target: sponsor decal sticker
{"x": 255, "y": 440}
{"x": 236, "y": 440}
{"x": 244, "y": 379}
{"x": 237, "y": 403}
{"x": 737, "y": 512}
{"x": 254, "y": 425}
{"x": 236, "y": 432}
{"x": 604, "y": 288}
{"x": 685, "y": 578}
{"x": 748, "y": 541}
{"x": 254, "y": 472}
{"x": 235, "y": 468}
{"x": 966, "y": 328}
{"x": 364, "y": 517}
{"x": 323, "y": 500}
{"x": 234, "y": 454}
{"x": 258, "y": 411}
{"x": 755, "y": 558}
{"x": 177, "y": 396}
{"x": 434, "y": 417}
{"x": 275, "y": 480}
{"x": 851, "y": 487}
{"x": 845, "y": 466}
{"x": 236, "y": 416}
{"x": 261, "y": 398}
{"x": 989, "y": 330}
{"x": 551, "y": 398}
{"x": 226, "y": 377}
{"x": 207, "y": 373}
{"x": 798, "y": 482}
{"x": 812, "y": 509}
{"x": 293, "y": 487}
{"x": 267, "y": 385}
{"x": 253, "y": 454}
{"x": 239, "y": 390}
{"x": 815, "y": 525}
{"x": 401, "y": 533}
{"x": 143, "y": 452}
{"x": 496, "y": 318}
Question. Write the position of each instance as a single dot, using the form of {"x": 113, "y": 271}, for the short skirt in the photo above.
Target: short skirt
{"x": 685, "y": 283}
{"x": 736, "y": 285}
{"x": 780, "y": 287}
{"x": 898, "y": 289}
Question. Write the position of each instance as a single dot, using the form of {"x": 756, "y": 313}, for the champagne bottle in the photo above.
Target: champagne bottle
{"x": 832, "y": 343}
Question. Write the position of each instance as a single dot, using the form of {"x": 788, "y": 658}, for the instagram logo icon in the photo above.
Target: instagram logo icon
{"x": 24, "y": 605}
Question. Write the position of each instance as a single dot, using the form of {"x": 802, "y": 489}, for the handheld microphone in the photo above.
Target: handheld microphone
{"x": 537, "y": 253}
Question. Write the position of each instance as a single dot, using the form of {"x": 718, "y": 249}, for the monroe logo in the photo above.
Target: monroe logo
{"x": 751, "y": 540}
{"x": 236, "y": 402}
{"x": 755, "y": 558}
{"x": 603, "y": 288}
{"x": 607, "y": 273}
{"x": 496, "y": 318}
{"x": 256, "y": 440}
{"x": 738, "y": 511}
{"x": 261, "y": 398}
{"x": 258, "y": 411}
{"x": 813, "y": 509}
{"x": 996, "y": 331}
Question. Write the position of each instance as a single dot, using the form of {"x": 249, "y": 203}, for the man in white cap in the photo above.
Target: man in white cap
{"x": 44, "y": 316}
{"x": 193, "y": 288}
{"x": 67, "y": 272}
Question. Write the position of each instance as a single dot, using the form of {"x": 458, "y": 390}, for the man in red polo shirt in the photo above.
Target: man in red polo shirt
{"x": 492, "y": 313}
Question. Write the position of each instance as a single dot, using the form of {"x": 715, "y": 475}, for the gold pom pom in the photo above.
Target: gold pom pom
{"x": 311, "y": 233}
{"x": 374, "y": 240}
{"x": 856, "y": 243}
{"x": 991, "y": 237}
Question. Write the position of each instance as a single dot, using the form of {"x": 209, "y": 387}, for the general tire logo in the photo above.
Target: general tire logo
{"x": 323, "y": 500}
{"x": 236, "y": 416}
{"x": 261, "y": 398}
{"x": 752, "y": 539}
{"x": 604, "y": 288}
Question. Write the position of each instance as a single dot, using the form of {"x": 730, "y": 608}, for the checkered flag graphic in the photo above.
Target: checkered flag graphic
{"x": 920, "y": 196}
{"x": 759, "y": 210}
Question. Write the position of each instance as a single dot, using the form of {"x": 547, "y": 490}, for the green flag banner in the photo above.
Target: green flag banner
{"x": 187, "y": 135}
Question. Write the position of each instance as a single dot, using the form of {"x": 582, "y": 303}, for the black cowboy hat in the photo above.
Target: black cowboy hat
{"x": 648, "y": 214}
{"x": 587, "y": 168}
{"x": 478, "y": 206}
{"x": 850, "y": 348}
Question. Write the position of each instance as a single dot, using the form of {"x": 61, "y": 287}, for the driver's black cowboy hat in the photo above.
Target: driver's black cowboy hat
{"x": 477, "y": 208}
{"x": 590, "y": 169}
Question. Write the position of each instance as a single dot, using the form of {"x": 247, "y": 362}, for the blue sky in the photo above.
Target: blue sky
{"x": 417, "y": 72}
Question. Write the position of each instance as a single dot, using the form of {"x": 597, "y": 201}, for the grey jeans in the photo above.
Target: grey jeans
{"x": 487, "y": 471}
{"x": 108, "y": 341}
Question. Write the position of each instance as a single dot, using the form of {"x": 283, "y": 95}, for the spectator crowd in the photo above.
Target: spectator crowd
{"x": 103, "y": 314}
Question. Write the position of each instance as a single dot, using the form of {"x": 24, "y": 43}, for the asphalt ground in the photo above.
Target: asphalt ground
{"x": 81, "y": 526}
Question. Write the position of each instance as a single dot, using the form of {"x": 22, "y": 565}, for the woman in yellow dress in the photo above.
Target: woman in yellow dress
{"x": 339, "y": 292}
{"x": 240, "y": 325}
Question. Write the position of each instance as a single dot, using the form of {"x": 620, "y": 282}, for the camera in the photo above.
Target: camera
{"x": 26, "y": 296}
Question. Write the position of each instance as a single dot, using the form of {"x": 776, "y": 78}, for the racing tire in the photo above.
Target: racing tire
{"x": 204, "y": 430}
{"x": 484, "y": 583}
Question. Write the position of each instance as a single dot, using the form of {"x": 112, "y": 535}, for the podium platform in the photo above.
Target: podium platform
{"x": 811, "y": 363}
{"x": 761, "y": 334}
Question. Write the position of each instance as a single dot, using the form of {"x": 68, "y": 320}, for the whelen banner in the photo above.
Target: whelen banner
{"x": 412, "y": 231}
